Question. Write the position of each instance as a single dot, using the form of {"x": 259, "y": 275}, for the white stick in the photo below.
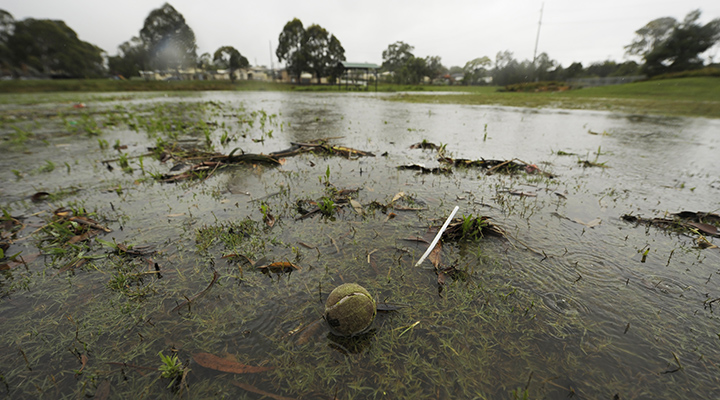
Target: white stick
{"x": 437, "y": 237}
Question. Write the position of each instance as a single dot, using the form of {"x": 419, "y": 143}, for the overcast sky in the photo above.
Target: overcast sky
{"x": 455, "y": 30}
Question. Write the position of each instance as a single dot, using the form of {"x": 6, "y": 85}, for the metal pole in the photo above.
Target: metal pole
{"x": 537, "y": 37}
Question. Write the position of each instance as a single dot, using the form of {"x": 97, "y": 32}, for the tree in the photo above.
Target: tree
{"x": 650, "y": 35}
{"x": 574, "y": 70}
{"x": 52, "y": 48}
{"x": 544, "y": 67}
{"x": 290, "y": 44}
{"x": 475, "y": 70}
{"x": 434, "y": 67}
{"x": 7, "y": 28}
{"x": 601, "y": 69}
{"x": 506, "y": 69}
{"x": 396, "y": 55}
{"x": 406, "y": 68}
{"x": 320, "y": 56}
{"x": 314, "y": 50}
{"x": 628, "y": 68}
{"x": 229, "y": 57}
{"x": 205, "y": 62}
{"x": 669, "y": 46}
{"x": 130, "y": 60}
{"x": 337, "y": 54}
{"x": 169, "y": 41}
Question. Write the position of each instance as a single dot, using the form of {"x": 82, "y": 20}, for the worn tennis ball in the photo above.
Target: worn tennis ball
{"x": 349, "y": 310}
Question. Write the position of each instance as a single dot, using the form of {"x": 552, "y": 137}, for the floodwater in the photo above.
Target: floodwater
{"x": 573, "y": 302}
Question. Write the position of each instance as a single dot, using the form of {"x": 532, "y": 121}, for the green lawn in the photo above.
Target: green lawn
{"x": 699, "y": 97}
{"x": 692, "y": 96}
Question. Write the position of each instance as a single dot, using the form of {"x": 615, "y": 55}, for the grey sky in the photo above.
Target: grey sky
{"x": 455, "y": 30}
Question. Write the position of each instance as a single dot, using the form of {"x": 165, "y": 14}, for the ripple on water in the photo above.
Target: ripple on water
{"x": 664, "y": 286}
{"x": 563, "y": 304}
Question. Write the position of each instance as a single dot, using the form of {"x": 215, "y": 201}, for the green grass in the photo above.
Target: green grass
{"x": 108, "y": 85}
{"x": 695, "y": 96}
{"x": 686, "y": 96}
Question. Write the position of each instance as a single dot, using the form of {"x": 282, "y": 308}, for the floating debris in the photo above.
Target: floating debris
{"x": 513, "y": 166}
{"x": 424, "y": 170}
{"x": 321, "y": 146}
{"x": 700, "y": 223}
{"x": 425, "y": 145}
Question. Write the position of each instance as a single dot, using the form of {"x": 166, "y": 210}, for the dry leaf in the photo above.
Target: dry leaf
{"x": 704, "y": 228}
{"x": 590, "y": 224}
{"x": 434, "y": 255}
{"x": 281, "y": 266}
{"x": 103, "y": 391}
{"x": 83, "y": 362}
{"x": 357, "y": 207}
{"x": 269, "y": 220}
{"x": 397, "y": 197}
{"x": 81, "y": 238}
{"x": 309, "y": 331}
{"x": 441, "y": 278}
{"x": 251, "y": 388}
{"x": 210, "y": 361}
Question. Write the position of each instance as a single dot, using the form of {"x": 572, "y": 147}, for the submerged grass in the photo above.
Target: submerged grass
{"x": 489, "y": 331}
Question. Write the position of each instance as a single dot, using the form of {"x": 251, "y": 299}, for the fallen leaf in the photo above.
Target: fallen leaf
{"x": 269, "y": 220}
{"x": 83, "y": 362}
{"x": 357, "y": 207}
{"x": 103, "y": 391}
{"x": 251, "y": 388}
{"x": 397, "y": 197}
{"x": 704, "y": 228}
{"x": 416, "y": 239}
{"x": 441, "y": 278}
{"x": 176, "y": 215}
{"x": 237, "y": 255}
{"x": 434, "y": 255}
{"x": 89, "y": 222}
{"x": 591, "y": 224}
{"x": 210, "y": 361}
{"x": 372, "y": 262}
{"x": 309, "y": 331}
{"x": 81, "y": 238}
{"x": 522, "y": 194}
{"x": 281, "y": 266}
{"x": 19, "y": 260}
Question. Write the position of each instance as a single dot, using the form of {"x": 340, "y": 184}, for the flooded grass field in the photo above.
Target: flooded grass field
{"x": 183, "y": 245}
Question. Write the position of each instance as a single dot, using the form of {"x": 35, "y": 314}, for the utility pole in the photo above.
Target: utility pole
{"x": 272, "y": 64}
{"x": 537, "y": 37}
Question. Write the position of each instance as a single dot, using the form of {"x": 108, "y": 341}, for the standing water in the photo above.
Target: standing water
{"x": 140, "y": 263}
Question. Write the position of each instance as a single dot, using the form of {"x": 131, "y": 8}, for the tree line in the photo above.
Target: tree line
{"x": 165, "y": 42}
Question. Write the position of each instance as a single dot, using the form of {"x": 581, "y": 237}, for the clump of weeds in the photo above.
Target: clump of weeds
{"x": 173, "y": 370}
{"x": 470, "y": 227}
{"x": 327, "y": 206}
{"x": 587, "y": 163}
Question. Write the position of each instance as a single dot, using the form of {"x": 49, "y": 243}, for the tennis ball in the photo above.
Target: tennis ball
{"x": 349, "y": 310}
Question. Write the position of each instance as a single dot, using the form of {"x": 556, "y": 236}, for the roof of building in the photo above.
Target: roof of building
{"x": 355, "y": 65}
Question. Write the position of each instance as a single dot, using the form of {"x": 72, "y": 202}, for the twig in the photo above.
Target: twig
{"x": 437, "y": 237}
{"x": 491, "y": 170}
{"x": 188, "y": 301}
